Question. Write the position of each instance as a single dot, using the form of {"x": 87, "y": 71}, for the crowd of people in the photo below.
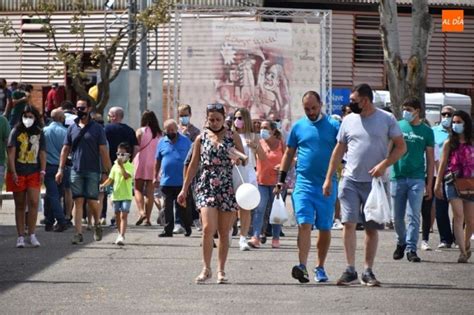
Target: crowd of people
{"x": 192, "y": 176}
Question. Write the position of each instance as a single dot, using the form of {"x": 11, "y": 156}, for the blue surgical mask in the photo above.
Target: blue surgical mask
{"x": 446, "y": 122}
{"x": 184, "y": 120}
{"x": 408, "y": 116}
{"x": 278, "y": 125}
{"x": 264, "y": 134}
{"x": 458, "y": 128}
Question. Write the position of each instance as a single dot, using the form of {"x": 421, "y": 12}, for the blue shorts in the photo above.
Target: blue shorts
{"x": 311, "y": 207}
{"x": 122, "y": 205}
{"x": 85, "y": 185}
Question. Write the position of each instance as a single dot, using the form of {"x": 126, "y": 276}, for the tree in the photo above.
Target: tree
{"x": 104, "y": 53}
{"x": 405, "y": 80}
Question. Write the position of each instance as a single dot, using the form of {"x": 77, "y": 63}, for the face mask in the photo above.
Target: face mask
{"x": 264, "y": 134}
{"x": 278, "y": 124}
{"x": 458, "y": 128}
{"x": 446, "y": 122}
{"x": 355, "y": 108}
{"x": 184, "y": 120}
{"x": 171, "y": 135}
{"x": 123, "y": 157}
{"x": 28, "y": 122}
{"x": 408, "y": 116}
{"x": 239, "y": 123}
{"x": 81, "y": 115}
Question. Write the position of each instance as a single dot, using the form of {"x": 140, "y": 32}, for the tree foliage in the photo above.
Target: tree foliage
{"x": 104, "y": 53}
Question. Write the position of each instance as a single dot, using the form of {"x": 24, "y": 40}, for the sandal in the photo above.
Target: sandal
{"x": 140, "y": 220}
{"x": 205, "y": 275}
{"x": 148, "y": 224}
{"x": 221, "y": 278}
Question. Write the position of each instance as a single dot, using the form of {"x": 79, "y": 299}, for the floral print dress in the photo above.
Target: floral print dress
{"x": 214, "y": 186}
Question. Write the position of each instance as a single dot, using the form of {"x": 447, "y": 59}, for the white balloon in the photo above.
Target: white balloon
{"x": 247, "y": 196}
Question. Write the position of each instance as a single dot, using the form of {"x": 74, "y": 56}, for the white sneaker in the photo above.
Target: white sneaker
{"x": 34, "y": 241}
{"x": 337, "y": 225}
{"x": 197, "y": 224}
{"x": 425, "y": 245}
{"x": 243, "y": 244}
{"x": 472, "y": 237}
{"x": 178, "y": 229}
{"x": 103, "y": 221}
{"x": 120, "y": 240}
{"x": 20, "y": 242}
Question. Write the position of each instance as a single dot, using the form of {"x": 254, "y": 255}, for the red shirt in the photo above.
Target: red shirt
{"x": 52, "y": 100}
{"x": 266, "y": 173}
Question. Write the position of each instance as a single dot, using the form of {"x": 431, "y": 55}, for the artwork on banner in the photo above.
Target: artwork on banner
{"x": 263, "y": 66}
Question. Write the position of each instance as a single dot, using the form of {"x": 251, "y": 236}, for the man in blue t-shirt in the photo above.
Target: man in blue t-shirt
{"x": 86, "y": 141}
{"x": 314, "y": 138}
{"x": 170, "y": 156}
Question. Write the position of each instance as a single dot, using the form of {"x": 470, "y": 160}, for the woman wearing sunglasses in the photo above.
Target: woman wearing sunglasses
{"x": 243, "y": 126}
{"x": 457, "y": 159}
{"x": 214, "y": 189}
{"x": 26, "y": 170}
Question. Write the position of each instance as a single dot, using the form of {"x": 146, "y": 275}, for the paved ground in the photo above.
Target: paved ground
{"x": 151, "y": 275}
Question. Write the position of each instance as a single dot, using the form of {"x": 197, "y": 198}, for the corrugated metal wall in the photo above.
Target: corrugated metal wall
{"x": 450, "y": 58}
{"x": 65, "y": 5}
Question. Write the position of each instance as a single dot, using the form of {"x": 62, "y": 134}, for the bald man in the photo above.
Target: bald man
{"x": 116, "y": 132}
{"x": 54, "y": 135}
{"x": 171, "y": 153}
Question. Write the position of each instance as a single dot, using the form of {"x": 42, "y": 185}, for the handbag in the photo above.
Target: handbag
{"x": 464, "y": 187}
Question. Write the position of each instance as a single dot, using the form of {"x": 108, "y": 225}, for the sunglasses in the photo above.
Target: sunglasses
{"x": 238, "y": 118}
{"x": 215, "y": 106}
{"x": 81, "y": 108}
{"x": 123, "y": 154}
{"x": 446, "y": 114}
{"x": 28, "y": 116}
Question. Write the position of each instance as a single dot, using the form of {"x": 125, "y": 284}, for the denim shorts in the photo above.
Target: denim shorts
{"x": 85, "y": 185}
{"x": 451, "y": 193}
{"x": 122, "y": 205}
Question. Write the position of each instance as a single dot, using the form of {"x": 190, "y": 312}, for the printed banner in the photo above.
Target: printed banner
{"x": 265, "y": 67}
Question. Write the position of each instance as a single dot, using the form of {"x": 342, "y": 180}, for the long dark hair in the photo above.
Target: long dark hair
{"x": 37, "y": 125}
{"x": 454, "y": 137}
{"x": 149, "y": 119}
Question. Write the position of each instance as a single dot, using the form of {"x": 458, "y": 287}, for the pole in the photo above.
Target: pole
{"x": 143, "y": 65}
{"x": 132, "y": 34}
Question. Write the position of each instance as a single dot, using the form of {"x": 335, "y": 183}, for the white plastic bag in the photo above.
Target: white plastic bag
{"x": 279, "y": 215}
{"x": 377, "y": 207}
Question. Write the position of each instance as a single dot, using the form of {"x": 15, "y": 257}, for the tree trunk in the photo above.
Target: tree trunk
{"x": 422, "y": 28}
{"x": 396, "y": 71}
{"x": 405, "y": 80}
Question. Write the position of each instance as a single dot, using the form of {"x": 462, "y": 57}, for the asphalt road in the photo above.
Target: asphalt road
{"x": 151, "y": 275}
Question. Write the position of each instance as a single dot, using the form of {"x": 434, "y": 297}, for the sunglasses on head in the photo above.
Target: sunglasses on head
{"x": 446, "y": 114}
{"x": 120, "y": 154}
{"x": 215, "y": 106}
{"x": 81, "y": 108}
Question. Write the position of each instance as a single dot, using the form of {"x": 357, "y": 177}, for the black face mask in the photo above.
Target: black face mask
{"x": 81, "y": 115}
{"x": 217, "y": 130}
{"x": 355, "y": 108}
{"x": 171, "y": 135}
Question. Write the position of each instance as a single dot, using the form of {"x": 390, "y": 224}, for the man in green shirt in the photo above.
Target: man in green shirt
{"x": 408, "y": 179}
{"x": 4, "y": 133}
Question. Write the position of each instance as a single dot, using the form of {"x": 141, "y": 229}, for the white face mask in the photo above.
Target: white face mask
{"x": 28, "y": 122}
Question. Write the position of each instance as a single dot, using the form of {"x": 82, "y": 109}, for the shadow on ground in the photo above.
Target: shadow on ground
{"x": 17, "y": 265}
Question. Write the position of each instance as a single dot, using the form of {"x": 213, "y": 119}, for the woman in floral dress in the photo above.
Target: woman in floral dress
{"x": 215, "y": 195}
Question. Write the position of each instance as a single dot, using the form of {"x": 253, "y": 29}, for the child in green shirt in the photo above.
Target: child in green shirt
{"x": 121, "y": 176}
